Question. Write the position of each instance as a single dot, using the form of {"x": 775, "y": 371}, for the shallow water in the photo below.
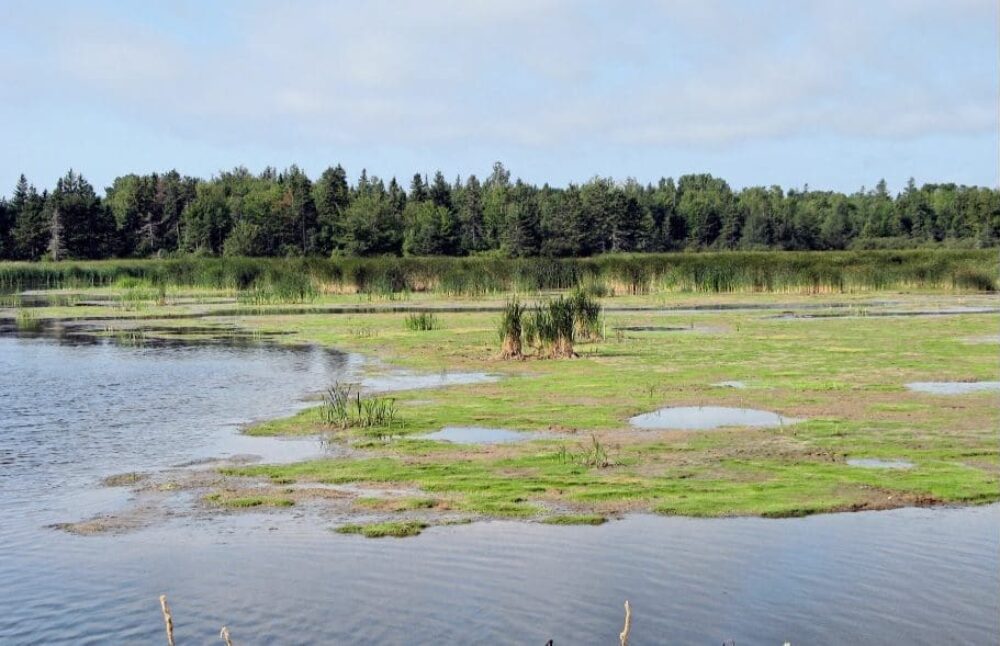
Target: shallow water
{"x": 910, "y": 576}
{"x": 71, "y": 413}
{"x": 708, "y": 417}
{"x": 730, "y": 384}
{"x": 875, "y": 463}
{"x": 477, "y": 435}
{"x": 954, "y": 387}
{"x": 414, "y": 381}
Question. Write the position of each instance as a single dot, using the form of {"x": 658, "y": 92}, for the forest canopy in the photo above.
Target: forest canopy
{"x": 286, "y": 213}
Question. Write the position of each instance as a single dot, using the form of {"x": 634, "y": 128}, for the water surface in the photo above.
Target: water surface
{"x": 708, "y": 417}
{"x": 477, "y": 435}
{"x": 954, "y": 387}
{"x": 74, "y": 412}
{"x": 875, "y": 463}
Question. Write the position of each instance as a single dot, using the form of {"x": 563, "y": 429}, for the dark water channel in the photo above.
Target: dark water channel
{"x": 73, "y": 411}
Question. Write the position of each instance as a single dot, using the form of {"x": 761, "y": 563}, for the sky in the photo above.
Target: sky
{"x": 833, "y": 94}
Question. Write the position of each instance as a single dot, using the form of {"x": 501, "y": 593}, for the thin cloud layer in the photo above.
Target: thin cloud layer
{"x": 652, "y": 75}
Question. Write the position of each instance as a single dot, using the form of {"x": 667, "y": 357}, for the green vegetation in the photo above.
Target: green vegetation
{"x": 843, "y": 376}
{"x": 26, "y": 321}
{"x": 511, "y": 330}
{"x": 227, "y": 499}
{"x": 422, "y": 322}
{"x": 395, "y": 529}
{"x": 575, "y": 519}
{"x": 344, "y": 407}
{"x": 281, "y": 214}
{"x": 842, "y": 372}
{"x": 276, "y": 281}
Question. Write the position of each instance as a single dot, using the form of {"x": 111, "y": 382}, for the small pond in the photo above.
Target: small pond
{"x": 699, "y": 418}
{"x": 414, "y": 381}
{"x": 477, "y": 435}
{"x": 875, "y": 463}
{"x": 954, "y": 387}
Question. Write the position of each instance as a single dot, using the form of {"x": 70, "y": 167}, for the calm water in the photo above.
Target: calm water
{"x": 954, "y": 387}
{"x": 701, "y": 418}
{"x": 71, "y": 413}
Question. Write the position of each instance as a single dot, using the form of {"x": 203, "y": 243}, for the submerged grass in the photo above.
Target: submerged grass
{"x": 225, "y": 499}
{"x": 575, "y": 519}
{"x": 394, "y": 529}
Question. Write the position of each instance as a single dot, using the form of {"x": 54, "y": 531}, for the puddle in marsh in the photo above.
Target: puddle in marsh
{"x": 708, "y": 417}
{"x": 477, "y": 435}
{"x": 730, "y": 384}
{"x": 653, "y": 328}
{"x": 946, "y": 311}
{"x": 414, "y": 381}
{"x": 875, "y": 463}
{"x": 954, "y": 387}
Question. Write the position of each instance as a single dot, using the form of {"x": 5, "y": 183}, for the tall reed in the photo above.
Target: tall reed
{"x": 300, "y": 280}
{"x": 511, "y": 328}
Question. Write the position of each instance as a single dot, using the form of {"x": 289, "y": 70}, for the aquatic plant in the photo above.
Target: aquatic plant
{"x": 593, "y": 455}
{"x": 278, "y": 288}
{"x": 731, "y": 271}
{"x": 551, "y": 327}
{"x": 511, "y": 324}
{"x": 344, "y": 407}
{"x": 422, "y": 321}
{"x": 395, "y": 529}
{"x": 26, "y": 321}
{"x": 586, "y": 316}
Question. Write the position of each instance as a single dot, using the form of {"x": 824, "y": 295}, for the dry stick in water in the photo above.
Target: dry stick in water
{"x": 224, "y": 636}
{"x": 623, "y": 635}
{"x": 168, "y": 619}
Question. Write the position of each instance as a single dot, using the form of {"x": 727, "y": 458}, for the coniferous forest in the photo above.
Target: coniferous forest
{"x": 238, "y": 213}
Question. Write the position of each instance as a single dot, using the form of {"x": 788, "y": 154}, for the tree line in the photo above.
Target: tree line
{"x": 285, "y": 213}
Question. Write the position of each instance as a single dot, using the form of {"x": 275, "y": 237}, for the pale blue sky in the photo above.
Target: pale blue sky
{"x": 833, "y": 93}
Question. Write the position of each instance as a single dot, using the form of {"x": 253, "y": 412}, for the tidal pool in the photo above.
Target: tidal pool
{"x": 708, "y": 417}
{"x": 477, "y": 435}
{"x": 954, "y": 387}
{"x": 875, "y": 463}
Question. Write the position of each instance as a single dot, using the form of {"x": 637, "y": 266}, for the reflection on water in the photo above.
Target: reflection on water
{"x": 72, "y": 412}
{"x": 911, "y": 576}
{"x": 954, "y": 387}
{"x": 874, "y": 463}
{"x": 708, "y": 417}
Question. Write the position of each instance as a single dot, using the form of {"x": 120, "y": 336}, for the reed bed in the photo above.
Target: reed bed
{"x": 550, "y": 327}
{"x": 344, "y": 408}
{"x": 422, "y": 322}
{"x": 267, "y": 280}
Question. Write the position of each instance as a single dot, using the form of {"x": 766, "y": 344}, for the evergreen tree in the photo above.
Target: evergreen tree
{"x": 80, "y": 226}
{"x": 331, "y": 196}
{"x": 31, "y": 222}
{"x": 470, "y": 216}
{"x": 6, "y": 231}
{"x": 440, "y": 191}
{"x": 521, "y": 233}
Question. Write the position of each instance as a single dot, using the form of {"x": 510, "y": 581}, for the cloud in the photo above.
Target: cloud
{"x": 533, "y": 73}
